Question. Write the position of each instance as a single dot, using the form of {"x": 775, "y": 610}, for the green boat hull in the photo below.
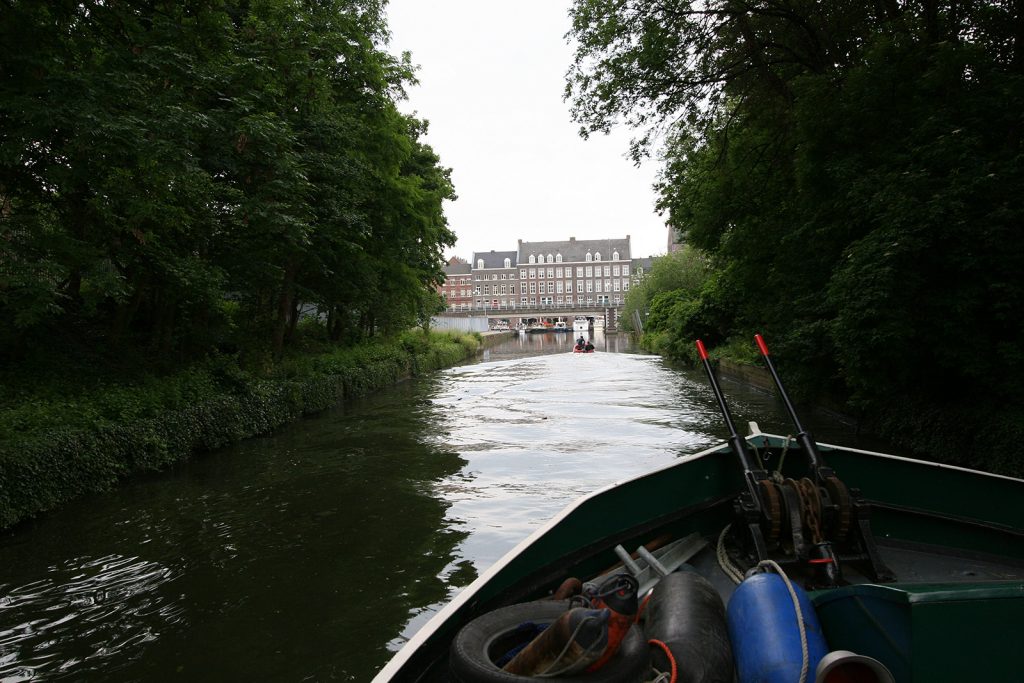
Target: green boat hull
{"x": 953, "y": 537}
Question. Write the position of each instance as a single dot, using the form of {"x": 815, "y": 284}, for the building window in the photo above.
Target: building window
{"x": 615, "y": 256}
{"x": 533, "y": 259}
{"x": 545, "y": 300}
{"x": 533, "y": 288}
{"x": 494, "y": 276}
{"x": 558, "y": 272}
{"x": 579, "y": 287}
{"x": 590, "y": 271}
{"x": 625, "y": 285}
{"x": 579, "y": 271}
{"x": 551, "y": 259}
{"x": 597, "y": 256}
{"x": 558, "y": 258}
{"x": 522, "y": 301}
{"x": 625, "y": 270}
{"x": 607, "y": 270}
{"x": 487, "y": 290}
{"x": 590, "y": 257}
{"x": 551, "y": 272}
{"x": 579, "y": 298}
{"x": 615, "y": 271}
{"x": 597, "y": 286}
{"x": 607, "y": 285}
{"x": 503, "y": 289}
{"x": 480, "y": 263}
{"x": 522, "y": 274}
{"x": 590, "y": 286}
{"x": 616, "y": 283}
{"x": 533, "y": 273}
{"x": 508, "y": 264}
{"x": 558, "y": 288}
{"x": 511, "y": 289}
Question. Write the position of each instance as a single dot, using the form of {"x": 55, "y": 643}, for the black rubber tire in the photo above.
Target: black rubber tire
{"x": 491, "y": 635}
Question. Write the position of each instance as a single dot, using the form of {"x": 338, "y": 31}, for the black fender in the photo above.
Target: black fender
{"x": 489, "y": 636}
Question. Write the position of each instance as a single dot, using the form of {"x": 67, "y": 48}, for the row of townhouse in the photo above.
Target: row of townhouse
{"x": 567, "y": 272}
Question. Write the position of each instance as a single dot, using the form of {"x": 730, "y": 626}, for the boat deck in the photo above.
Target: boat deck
{"x": 912, "y": 565}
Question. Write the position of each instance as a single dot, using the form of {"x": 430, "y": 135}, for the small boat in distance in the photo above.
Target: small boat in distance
{"x": 560, "y": 326}
{"x": 755, "y": 554}
{"x": 580, "y": 324}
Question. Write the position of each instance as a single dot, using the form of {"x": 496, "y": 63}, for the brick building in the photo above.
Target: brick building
{"x": 556, "y": 273}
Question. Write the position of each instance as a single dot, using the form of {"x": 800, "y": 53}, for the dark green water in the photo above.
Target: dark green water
{"x": 314, "y": 553}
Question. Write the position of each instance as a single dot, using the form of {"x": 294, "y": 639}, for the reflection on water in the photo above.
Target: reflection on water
{"x": 83, "y": 611}
{"x": 313, "y": 553}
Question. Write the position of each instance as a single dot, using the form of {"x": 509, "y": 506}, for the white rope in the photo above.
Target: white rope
{"x": 730, "y": 569}
{"x": 777, "y": 474}
{"x": 548, "y": 673}
{"x": 772, "y": 564}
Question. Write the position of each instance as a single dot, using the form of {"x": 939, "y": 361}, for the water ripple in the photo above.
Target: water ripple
{"x": 86, "y": 610}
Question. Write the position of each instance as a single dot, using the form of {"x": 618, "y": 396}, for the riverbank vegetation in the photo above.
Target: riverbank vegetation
{"x": 62, "y": 438}
{"x": 852, "y": 172}
{"x": 213, "y": 218}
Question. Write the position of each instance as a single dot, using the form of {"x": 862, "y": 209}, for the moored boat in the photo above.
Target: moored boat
{"x": 900, "y": 569}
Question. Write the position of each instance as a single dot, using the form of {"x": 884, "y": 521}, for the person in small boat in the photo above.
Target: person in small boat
{"x": 581, "y": 343}
{"x": 588, "y": 347}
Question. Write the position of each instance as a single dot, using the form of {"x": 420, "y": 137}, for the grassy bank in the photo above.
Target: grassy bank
{"x": 60, "y": 438}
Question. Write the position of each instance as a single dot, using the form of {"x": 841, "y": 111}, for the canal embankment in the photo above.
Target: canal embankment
{"x": 53, "y": 449}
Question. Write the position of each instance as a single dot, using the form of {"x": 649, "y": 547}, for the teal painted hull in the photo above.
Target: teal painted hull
{"x": 935, "y": 525}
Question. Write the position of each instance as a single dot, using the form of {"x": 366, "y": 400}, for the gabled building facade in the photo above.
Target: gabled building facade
{"x": 558, "y": 273}
{"x": 494, "y": 282}
{"x": 457, "y": 289}
{"x": 573, "y": 272}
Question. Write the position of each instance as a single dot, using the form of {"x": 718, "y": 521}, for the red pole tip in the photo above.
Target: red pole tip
{"x": 701, "y": 350}
{"x": 761, "y": 345}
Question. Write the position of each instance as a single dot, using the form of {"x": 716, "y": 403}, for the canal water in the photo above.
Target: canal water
{"x": 313, "y": 553}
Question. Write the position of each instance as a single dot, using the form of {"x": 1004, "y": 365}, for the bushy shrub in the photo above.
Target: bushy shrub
{"x": 52, "y": 450}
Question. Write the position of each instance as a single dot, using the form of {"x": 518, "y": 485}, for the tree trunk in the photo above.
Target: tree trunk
{"x": 293, "y": 322}
{"x": 284, "y": 307}
{"x": 126, "y": 311}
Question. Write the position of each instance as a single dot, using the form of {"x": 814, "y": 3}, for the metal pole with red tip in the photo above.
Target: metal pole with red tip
{"x": 752, "y": 471}
{"x": 817, "y": 464}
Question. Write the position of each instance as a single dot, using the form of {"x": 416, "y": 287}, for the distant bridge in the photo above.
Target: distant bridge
{"x": 540, "y": 312}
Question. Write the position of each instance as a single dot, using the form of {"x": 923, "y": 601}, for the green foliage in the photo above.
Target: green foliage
{"x": 158, "y": 159}
{"x": 684, "y": 271}
{"x": 52, "y": 449}
{"x": 853, "y": 173}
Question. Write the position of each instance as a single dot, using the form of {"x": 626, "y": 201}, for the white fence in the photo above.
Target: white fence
{"x": 472, "y": 323}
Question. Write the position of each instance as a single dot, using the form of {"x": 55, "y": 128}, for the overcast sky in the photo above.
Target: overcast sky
{"x": 492, "y": 75}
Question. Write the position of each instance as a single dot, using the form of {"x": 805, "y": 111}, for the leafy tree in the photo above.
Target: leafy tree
{"x": 851, "y": 170}
{"x": 158, "y": 159}
{"x": 683, "y": 272}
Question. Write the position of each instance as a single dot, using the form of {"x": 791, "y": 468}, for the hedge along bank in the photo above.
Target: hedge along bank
{"x": 44, "y": 468}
